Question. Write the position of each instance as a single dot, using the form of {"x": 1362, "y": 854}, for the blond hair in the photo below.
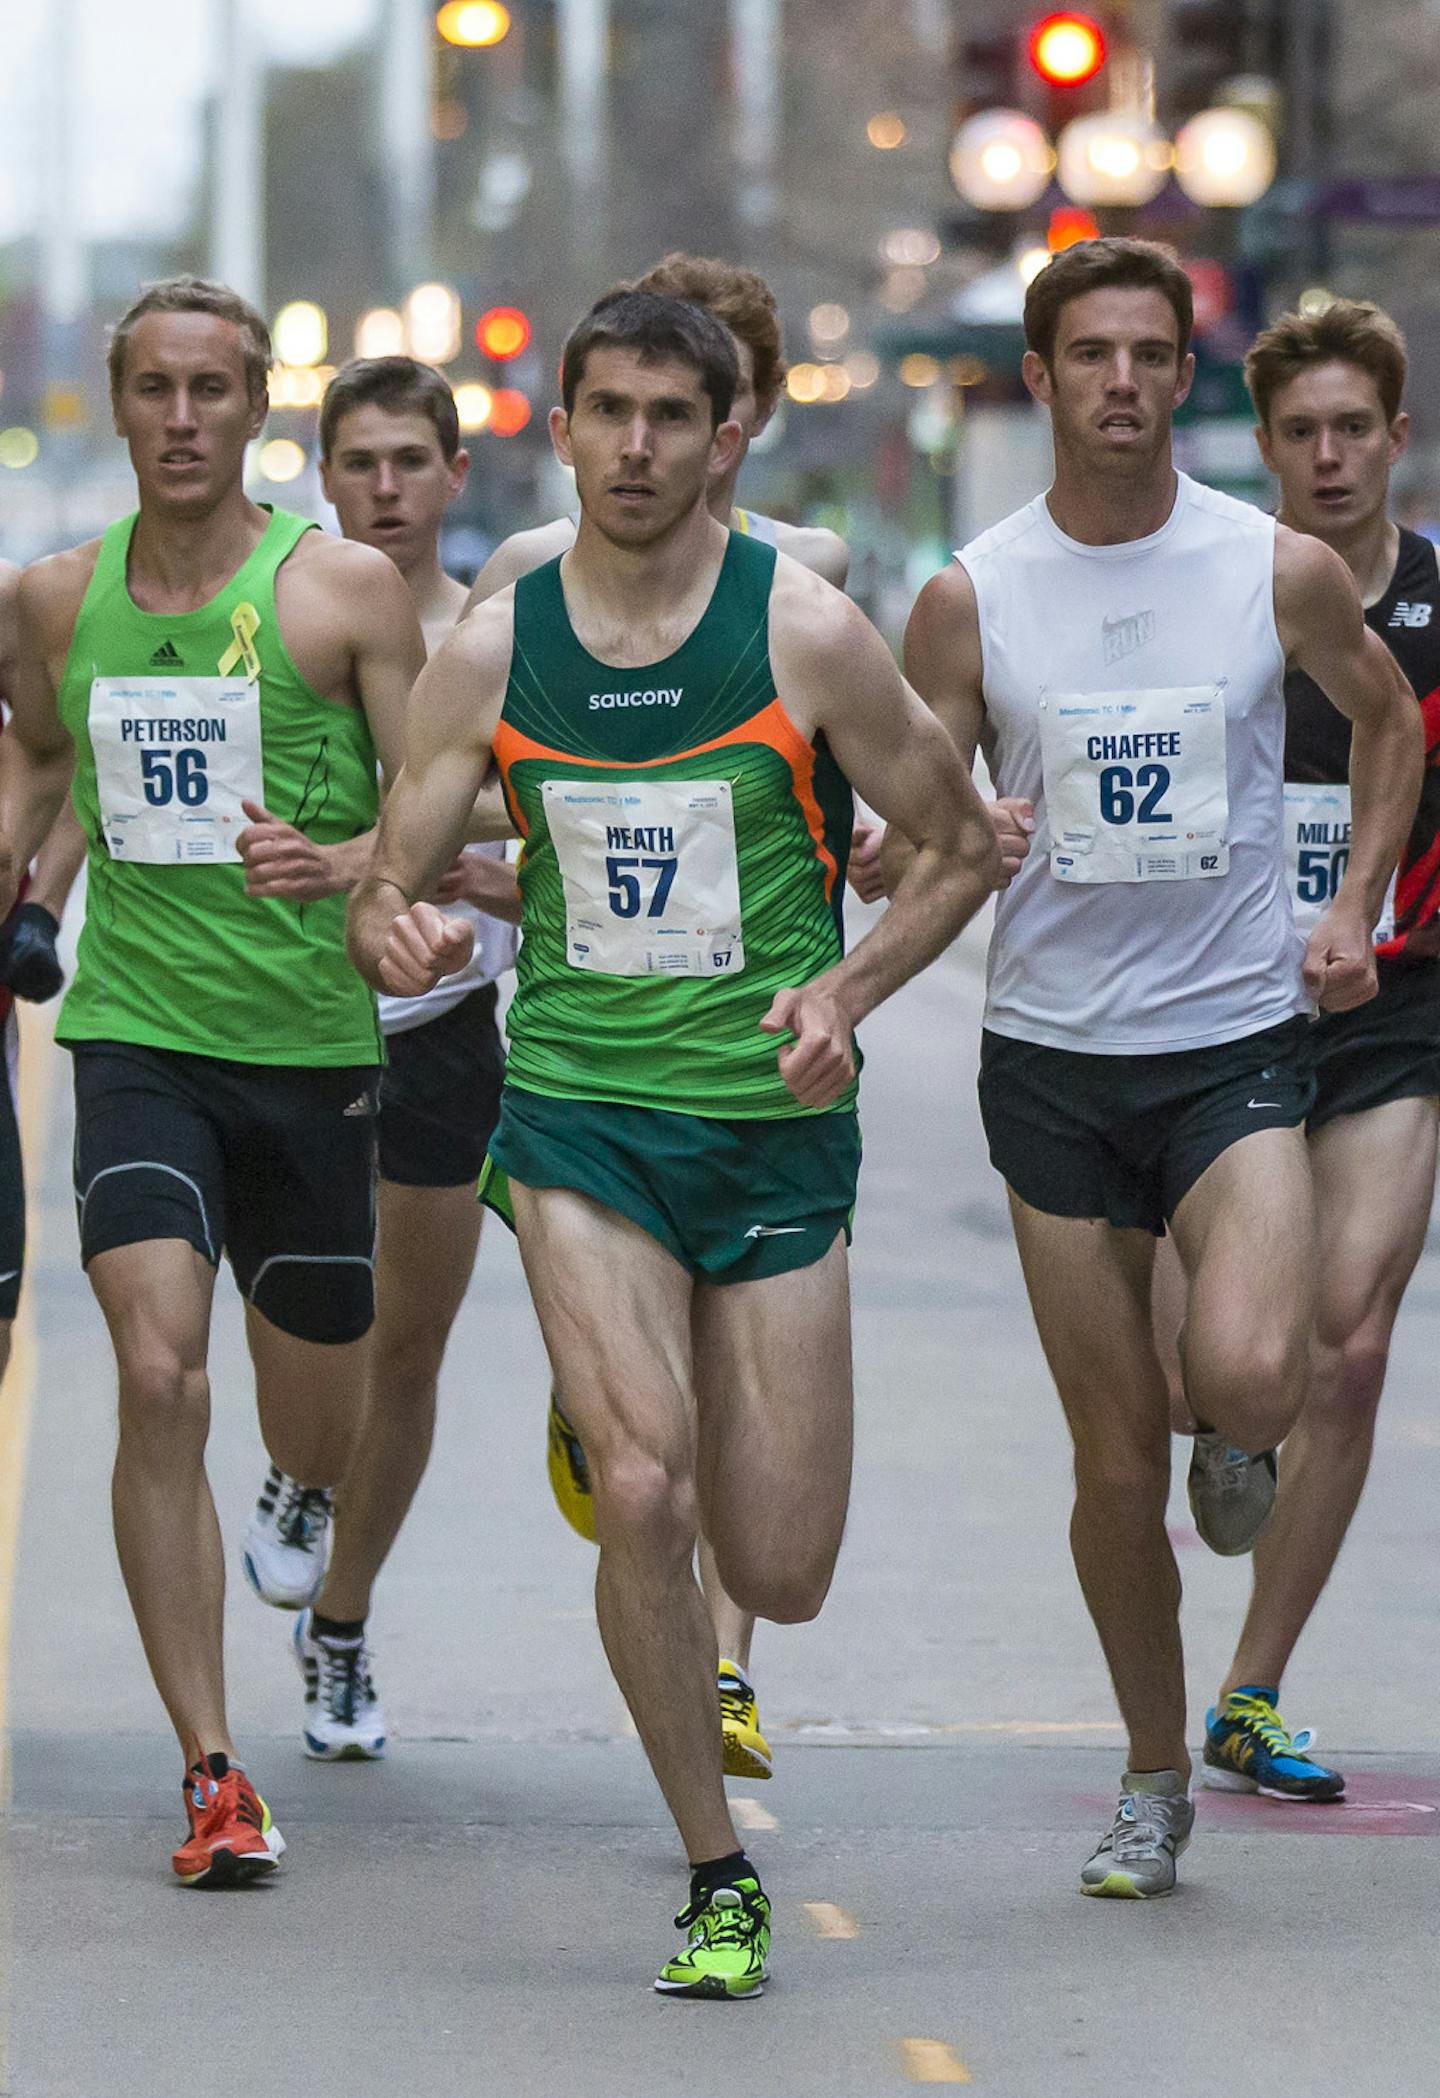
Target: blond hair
{"x": 196, "y": 295}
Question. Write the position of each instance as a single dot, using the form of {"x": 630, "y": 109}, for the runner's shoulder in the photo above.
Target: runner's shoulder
{"x": 817, "y": 548}
{"x": 1309, "y": 575}
{"x": 49, "y": 593}
{"x": 520, "y": 555}
{"x": 481, "y": 640}
{"x": 820, "y": 631}
{"x": 355, "y": 585}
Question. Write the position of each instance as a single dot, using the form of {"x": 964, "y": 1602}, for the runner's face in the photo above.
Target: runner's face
{"x": 184, "y": 409}
{"x": 390, "y": 482}
{"x": 1115, "y": 378}
{"x": 1331, "y": 448}
{"x": 640, "y": 440}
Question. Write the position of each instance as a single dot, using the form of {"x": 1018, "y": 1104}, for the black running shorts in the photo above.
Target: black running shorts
{"x": 12, "y": 1176}
{"x": 1125, "y": 1138}
{"x": 1387, "y": 1049}
{"x": 272, "y": 1164}
{"x": 440, "y": 1095}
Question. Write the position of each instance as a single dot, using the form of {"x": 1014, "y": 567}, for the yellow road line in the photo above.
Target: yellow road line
{"x": 750, "y": 1814}
{"x": 931, "y": 2061}
{"x": 37, "y": 1070}
{"x": 830, "y": 1922}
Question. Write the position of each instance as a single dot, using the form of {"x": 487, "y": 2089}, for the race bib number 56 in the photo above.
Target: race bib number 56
{"x": 1136, "y": 787}
{"x": 174, "y": 760}
{"x": 652, "y": 884}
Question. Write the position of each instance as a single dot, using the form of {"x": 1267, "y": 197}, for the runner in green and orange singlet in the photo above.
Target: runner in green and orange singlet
{"x": 222, "y": 680}
{"x": 678, "y": 713}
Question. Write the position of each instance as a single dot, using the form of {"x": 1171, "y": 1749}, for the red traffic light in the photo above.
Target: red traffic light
{"x": 1067, "y": 50}
{"x": 502, "y": 333}
{"x": 509, "y": 412}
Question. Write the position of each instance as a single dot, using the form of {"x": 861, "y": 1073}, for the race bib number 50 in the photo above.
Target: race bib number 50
{"x": 1136, "y": 787}
{"x": 1317, "y": 852}
{"x": 174, "y": 760}
{"x": 652, "y": 884}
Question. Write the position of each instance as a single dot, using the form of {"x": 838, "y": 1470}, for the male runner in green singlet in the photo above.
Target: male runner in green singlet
{"x": 222, "y": 680}
{"x": 682, "y": 1191}
{"x": 744, "y": 303}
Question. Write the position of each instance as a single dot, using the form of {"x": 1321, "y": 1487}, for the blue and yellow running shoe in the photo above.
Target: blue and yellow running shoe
{"x": 728, "y": 1945}
{"x": 1247, "y": 1749}
{"x": 569, "y": 1473}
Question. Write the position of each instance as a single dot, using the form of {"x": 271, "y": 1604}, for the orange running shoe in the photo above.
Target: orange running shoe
{"x": 232, "y": 1838}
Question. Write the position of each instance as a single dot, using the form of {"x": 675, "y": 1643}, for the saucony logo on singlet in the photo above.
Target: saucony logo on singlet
{"x": 1123, "y": 635}
{"x": 1406, "y": 614}
{"x": 167, "y": 656}
{"x": 653, "y": 696}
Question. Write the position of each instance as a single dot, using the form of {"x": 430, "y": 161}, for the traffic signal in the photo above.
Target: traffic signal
{"x": 502, "y": 333}
{"x": 1066, "y": 50}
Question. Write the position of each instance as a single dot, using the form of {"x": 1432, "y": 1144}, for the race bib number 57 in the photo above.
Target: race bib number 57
{"x": 652, "y": 884}
{"x": 1136, "y": 787}
{"x": 174, "y": 760}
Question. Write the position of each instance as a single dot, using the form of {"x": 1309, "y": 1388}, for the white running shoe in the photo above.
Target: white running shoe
{"x": 343, "y": 1719}
{"x": 287, "y": 1545}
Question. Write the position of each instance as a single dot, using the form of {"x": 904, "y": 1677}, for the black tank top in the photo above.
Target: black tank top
{"x": 1317, "y": 738}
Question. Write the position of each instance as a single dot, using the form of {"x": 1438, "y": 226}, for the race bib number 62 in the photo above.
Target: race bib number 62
{"x": 1136, "y": 786}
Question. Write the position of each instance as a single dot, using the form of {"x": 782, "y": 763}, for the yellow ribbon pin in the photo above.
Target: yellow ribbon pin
{"x": 244, "y": 625}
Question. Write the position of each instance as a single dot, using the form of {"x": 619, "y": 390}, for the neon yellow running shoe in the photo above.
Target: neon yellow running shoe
{"x": 728, "y": 1945}
{"x": 569, "y": 1474}
{"x": 747, "y": 1752}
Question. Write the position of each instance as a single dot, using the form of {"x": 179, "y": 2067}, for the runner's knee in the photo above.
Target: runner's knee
{"x": 1123, "y": 1480}
{"x": 164, "y": 1400}
{"x": 645, "y": 1502}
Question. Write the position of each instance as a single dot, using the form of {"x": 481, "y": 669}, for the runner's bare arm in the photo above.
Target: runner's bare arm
{"x": 517, "y": 556}
{"x": 398, "y": 943}
{"x": 36, "y": 754}
{"x": 817, "y": 548}
{"x": 339, "y": 592}
{"x": 1323, "y": 632}
{"x": 944, "y": 662}
{"x": 899, "y": 758}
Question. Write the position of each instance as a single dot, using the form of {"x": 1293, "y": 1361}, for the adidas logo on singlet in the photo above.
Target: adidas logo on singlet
{"x": 166, "y": 657}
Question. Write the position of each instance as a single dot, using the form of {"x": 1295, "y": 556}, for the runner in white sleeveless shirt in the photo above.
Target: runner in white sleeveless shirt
{"x": 1119, "y": 646}
{"x": 392, "y": 463}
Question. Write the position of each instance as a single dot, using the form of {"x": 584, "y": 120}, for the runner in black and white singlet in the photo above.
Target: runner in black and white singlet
{"x": 392, "y": 464}
{"x": 745, "y": 305}
{"x": 1120, "y": 646}
{"x": 1327, "y": 390}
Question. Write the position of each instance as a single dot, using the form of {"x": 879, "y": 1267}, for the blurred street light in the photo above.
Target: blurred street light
{"x": 300, "y": 333}
{"x": 474, "y": 404}
{"x": 1067, "y": 50}
{"x": 918, "y": 370}
{"x": 299, "y": 385}
{"x": 805, "y": 383}
{"x": 380, "y": 333}
{"x": 910, "y": 247}
{"x": 474, "y": 24}
{"x": 1315, "y": 301}
{"x": 902, "y": 289}
{"x": 1030, "y": 261}
{"x": 1116, "y": 157}
{"x": 502, "y": 333}
{"x": 19, "y": 447}
{"x": 432, "y": 323}
{"x": 829, "y": 323}
{"x": 1225, "y": 157}
{"x": 886, "y": 131}
{"x": 864, "y": 369}
{"x": 1001, "y": 160}
{"x": 509, "y": 411}
{"x": 282, "y": 459}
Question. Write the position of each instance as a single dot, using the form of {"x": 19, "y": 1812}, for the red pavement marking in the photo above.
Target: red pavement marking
{"x": 1378, "y": 1803}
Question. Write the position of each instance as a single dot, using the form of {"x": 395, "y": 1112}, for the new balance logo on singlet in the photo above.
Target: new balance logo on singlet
{"x": 166, "y": 657}
{"x": 1410, "y": 615}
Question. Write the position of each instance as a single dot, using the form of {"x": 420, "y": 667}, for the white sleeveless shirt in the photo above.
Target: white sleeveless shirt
{"x": 1135, "y": 695}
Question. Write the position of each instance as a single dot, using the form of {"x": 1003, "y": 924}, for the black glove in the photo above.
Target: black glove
{"x": 28, "y": 961}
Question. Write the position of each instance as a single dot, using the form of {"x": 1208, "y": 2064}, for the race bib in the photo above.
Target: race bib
{"x": 174, "y": 759}
{"x": 1317, "y": 852}
{"x": 652, "y": 885}
{"x": 1135, "y": 784}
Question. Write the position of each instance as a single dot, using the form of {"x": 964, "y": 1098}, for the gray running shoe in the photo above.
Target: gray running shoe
{"x": 1231, "y": 1493}
{"x": 1135, "y": 1858}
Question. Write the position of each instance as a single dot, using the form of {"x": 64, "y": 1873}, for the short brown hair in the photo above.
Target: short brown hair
{"x": 1349, "y": 331}
{"x": 739, "y": 298}
{"x": 401, "y": 384}
{"x": 1095, "y": 265}
{"x": 657, "y": 329}
{"x": 196, "y": 295}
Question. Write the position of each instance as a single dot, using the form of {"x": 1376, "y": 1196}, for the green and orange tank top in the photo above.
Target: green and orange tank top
{"x": 684, "y": 856}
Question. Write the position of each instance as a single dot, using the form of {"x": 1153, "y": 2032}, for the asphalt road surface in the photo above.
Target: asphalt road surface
{"x": 484, "y": 1910}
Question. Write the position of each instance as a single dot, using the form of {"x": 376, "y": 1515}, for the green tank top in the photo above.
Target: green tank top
{"x": 173, "y": 953}
{"x": 684, "y": 856}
